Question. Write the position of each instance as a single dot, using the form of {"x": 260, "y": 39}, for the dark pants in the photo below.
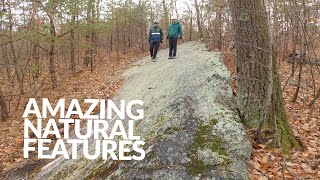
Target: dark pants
{"x": 154, "y": 46}
{"x": 173, "y": 46}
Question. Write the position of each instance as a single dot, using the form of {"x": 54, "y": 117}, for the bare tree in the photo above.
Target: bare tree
{"x": 198, "y": 18}
{"x": 3, "y": 107}
{"x": 13, "y": 51}
{"x": 259, "y": 96}
{"x": 72, "y": 36}
{"x": 166, "y": 18}
{"x": 190, "y": 12}
{"x": 89, "y": 38}
{"x": 218, "y": 24}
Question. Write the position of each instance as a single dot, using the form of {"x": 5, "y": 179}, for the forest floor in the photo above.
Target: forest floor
{"x": 305, "y": 121}
{"x": 266, "y": 163}
{"x": 271, "y": 163}
{"x": 102, "y": 83}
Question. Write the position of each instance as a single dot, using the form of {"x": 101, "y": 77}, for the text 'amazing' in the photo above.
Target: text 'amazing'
{"x": 106, "y": 134}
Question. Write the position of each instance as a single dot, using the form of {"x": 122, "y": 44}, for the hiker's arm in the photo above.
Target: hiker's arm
{"x": 161, "y": 34}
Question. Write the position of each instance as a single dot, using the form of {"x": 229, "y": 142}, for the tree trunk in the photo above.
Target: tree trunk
{"x": 7, "y": 63}
{"x": 3, "y": 108}
{"x": 198, "y": 19}
{"x": 88, "y": 52}
{"x": 51, "y": 50}
{"x": 313, "y": 102}
{"x": 51, "y": 12}
{"x": 303, "y": 47}
{"x": 190, "y": 23}
{"x": 118, "y": 39}
{"x": 218, "y": 26}
{"x": 72, "y": 46}
{"x": 259, "y": 96}
{"x": 92, "y": 52}
{"x": 276, "y": 24}
{"x": 166, "y": 18}
{"x": 36, "y": 61}
{"x": 13, "y": 54}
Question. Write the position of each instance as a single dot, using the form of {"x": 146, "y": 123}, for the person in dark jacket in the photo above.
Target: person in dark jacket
{"x": 174, "y": 32}
{"x": 155, "y": 38}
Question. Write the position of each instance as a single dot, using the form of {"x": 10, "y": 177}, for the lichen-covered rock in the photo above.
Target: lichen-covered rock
{"x": 210, "y": 157}
{"x": 189, "y": 129}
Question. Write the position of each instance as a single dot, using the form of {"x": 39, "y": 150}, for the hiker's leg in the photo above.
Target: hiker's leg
{"x": 170, "y": 47}
{"x": 151, "y": 48}
{"x": 156, "y": 47}
{"x": 174, "y": 44}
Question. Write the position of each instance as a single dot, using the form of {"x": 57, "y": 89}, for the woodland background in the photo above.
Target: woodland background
{"x": 78, "y": 48}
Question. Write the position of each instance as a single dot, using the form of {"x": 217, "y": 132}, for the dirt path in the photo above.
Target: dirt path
{"x": 189, "y": 129}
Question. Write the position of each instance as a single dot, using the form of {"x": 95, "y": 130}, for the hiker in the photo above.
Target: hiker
{"x": 174, "y": 32}
{"x": 155, "y": 38}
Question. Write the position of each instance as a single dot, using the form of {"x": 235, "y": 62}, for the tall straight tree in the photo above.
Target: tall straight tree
{"x": 3, "y": 107}
{"x": 50, "y": 9}
{"x": 198, "y": 18}
{"x": 166, "y": 18}
{"x": 13, "y": 52}
{"x": 218, "y": 24}
{"x": 73, "y": 10}
{"x": 89, "y": 19}
{"x": 259, "y": 95}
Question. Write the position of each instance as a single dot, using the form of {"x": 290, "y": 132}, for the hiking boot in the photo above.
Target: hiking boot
{"x": 173, "y": 57}
{"x": 170, "y": 57}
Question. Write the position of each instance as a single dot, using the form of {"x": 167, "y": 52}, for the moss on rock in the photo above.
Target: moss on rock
{"x": 205, "y": 139}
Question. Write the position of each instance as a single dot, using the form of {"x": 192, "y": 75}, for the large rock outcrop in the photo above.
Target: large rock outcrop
{"x": 189, "y": 128}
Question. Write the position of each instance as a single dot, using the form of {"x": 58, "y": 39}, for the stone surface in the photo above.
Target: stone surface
{"x": 189, "y": 128}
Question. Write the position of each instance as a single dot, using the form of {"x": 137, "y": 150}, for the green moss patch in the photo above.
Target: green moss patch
{"x": 103, "y": 170}
{"x": 205, "y": 139}
{"x": 171, "y": 130}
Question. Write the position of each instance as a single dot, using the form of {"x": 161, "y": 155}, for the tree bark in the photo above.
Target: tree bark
{"x": 3, "y": 108}
{"x": 72, "y": 36}
{"x": 218, "y": 26}
{"x": 88, "y": 52}
{"x": 36, "y": 60}
{"x": 51, "y": 12}
{"x": 303, "y": 46}
{"x": 92, "y": 52}
{"x": 259, "y": 95}
{"x": 198, "y": 19}
{"x": 276, "y": 24}
{"x": 166, "y": 18}
{"x": 191, "y": 21}
{"x": 13, "y": 54}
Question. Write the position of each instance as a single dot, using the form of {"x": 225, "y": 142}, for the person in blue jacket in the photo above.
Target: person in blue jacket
{"x": 174, "y": 32}
{"x": 155, "y": 38}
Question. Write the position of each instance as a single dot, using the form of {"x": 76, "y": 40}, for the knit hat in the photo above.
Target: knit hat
{"x": 174, "y": 17}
